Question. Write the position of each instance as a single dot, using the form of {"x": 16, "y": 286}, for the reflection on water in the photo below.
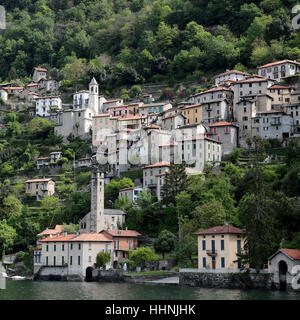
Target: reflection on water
{"x": 58, "y": 290}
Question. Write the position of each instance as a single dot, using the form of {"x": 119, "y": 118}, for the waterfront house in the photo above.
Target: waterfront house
{"x": 281, "y": 264}
{"x": 218, "y": 247}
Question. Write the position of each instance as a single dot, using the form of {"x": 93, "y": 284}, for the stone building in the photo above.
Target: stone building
{"x": 192, "y": 113}
{"x": 227, "y": 133}
{"x": 279, "y": 69}
{"x": 131, "y": 193}
{"x": 78, "y": 121}
{"x": 218, "y": 247}
{"x": 44, "y": 105}
{"x": 39, "y": 73}
{"x": 40, "y": 187}
{"x": 285, "y": 264}
{"x": 220, "y": 79}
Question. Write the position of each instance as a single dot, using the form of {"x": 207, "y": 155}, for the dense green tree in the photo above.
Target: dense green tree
{"x": 165, "y": 242}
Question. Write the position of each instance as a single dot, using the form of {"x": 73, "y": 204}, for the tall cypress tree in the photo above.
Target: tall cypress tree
{"x": 176, "y": 180}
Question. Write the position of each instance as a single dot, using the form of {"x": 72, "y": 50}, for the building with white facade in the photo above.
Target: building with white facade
{"x": 44, "y": 105}
{"x": 279, "y": 69}
{"x": 230, "y": 75}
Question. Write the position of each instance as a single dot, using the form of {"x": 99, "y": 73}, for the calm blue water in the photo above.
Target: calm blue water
{"x": 46, "y": 290}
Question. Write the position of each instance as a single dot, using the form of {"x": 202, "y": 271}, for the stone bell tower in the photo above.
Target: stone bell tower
{"x": 94, "y": 96}
{"x": 96, "y": 222}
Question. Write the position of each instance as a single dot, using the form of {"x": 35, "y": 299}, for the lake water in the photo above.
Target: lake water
{"x": 46, "y": 290}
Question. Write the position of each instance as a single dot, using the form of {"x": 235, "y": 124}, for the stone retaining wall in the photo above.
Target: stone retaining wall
{"x": 145, "y": 279}
{"x": 233, "y": 280}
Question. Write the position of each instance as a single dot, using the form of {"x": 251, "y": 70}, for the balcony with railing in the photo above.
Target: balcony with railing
{"x": 211, "y": 253}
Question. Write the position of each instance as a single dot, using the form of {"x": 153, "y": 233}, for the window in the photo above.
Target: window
{"x": 62, "y": 260}
{"x": 62, "y": 247}
{"x": 47, "y": 259}
{"x": 71, "y": 246}
{"x": 203, "y": 245}
{"x": 54, "y": 261}
{"x": 90, "y": 246}
{"x": 204, "y": 262}
{"x": 79, "y": 246}
{"x": 90, "y": 259}
{"x": 79, "y": 260}
{"x": 222, "y": 262}
{"x": 55, "y": 247}
{"x": 106, "y": 248}
{"x": 222, "y": 244}
{"x": 239, "y": 248}
{"x": 47, "y": 247}
{"x": 71, "y": 260}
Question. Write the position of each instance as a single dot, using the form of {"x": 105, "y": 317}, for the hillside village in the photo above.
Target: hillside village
{"x": 142, "y": 143}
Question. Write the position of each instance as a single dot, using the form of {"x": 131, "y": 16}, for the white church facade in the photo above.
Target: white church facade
{"x": 78, "y": 120}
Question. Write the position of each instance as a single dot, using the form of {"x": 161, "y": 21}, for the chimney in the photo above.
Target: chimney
{"x": 126, "y": 228}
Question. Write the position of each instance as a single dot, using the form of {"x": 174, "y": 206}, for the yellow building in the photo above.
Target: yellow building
{"x": 218, "y": 247}
{"x": 193, "y": 114}
{"x": 281, "y": 94}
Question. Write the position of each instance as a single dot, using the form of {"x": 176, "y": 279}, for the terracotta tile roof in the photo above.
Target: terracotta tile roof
{"x": 43, "y": 158}
{"x": 111, "y": 101}
{"x": 221, "y": 124}
{"x": 278, "y": 62}
{"x": 221, "y": 230}
{"x": 157, "y": 104}
{"x": 212, "y": 140}
{"x": 253, "y": 79}
{"x": 32, "y": 85}
{"x": 215, "y": 89}
{"x": 40, "y": 69}
{"x": 230, "y": 72}
{"x": 270, "y": 111}
{"x": 61, "y": 238}
{"x": 13, "y": 88}
{"x": 158, "y": 164}
{"x": 39, "y": 180}
{"x": 93, "y": 237}
{"x": 278, "y": 86}
{"x": 123, "y": 233}
{"x": 58, "y": 229}
{"x": 82, "y": 91}
{"x": 293, "y": 253}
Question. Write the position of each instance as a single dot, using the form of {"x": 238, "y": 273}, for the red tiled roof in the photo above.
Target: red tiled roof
{"x": 192, "y": 106}
{"x": 172, "y": 144}
{"x": 214, "y": 90}
{"x": 43, "y": 158}
{"x": 39, "y": 180}
{"x": 230, "y": 72}
{"x": 13, "y": 88}
{"x": 158, "y": 164}
{"x": 93, "y": 237}
{"x": 253, "y": 79}
{"x": 61, "y": 238}
{"x": 40, "y": 69}
{"x": 110, "y": 101}
{"x": 221, "y": 124}
{"x": 32, "y": 85}
{"x": 278, "y": 86}
{"x": 293, "y": 253}
{"x": 279, "y": 62}
{"x": 153, "y": 126}
{"x": 221, "y": 230}
{"x": 123, "y": 233}
{"x": 58, "y": 229}
{"x": 212, "y": 140}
